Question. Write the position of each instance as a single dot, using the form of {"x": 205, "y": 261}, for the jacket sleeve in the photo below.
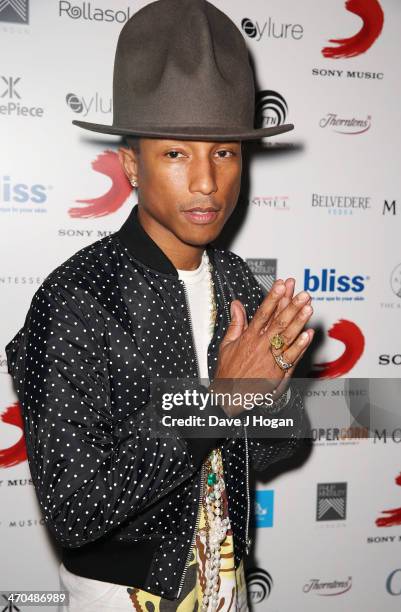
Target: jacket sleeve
{"x": 90, "y": 472}
{"x": 268, "y": 450}
{"x": 265, "y": 451}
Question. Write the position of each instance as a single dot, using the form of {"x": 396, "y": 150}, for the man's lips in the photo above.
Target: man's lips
{"x": 201, "y": 215}
{"x": 202, "y": 208}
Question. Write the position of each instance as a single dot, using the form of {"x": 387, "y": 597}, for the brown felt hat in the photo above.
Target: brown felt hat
{"x": 182, "y": 71}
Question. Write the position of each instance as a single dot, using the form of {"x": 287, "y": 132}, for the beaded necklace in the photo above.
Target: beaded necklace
{"x": 216, "y": 526}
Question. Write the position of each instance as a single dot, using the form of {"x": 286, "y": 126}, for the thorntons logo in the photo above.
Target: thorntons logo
{"x": 335, "y": 587}
{"x": 88, "y": 12}
{"x": 349, "y": 127}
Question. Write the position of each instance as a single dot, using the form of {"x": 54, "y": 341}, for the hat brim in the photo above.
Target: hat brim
{"x": 187, "y": 133}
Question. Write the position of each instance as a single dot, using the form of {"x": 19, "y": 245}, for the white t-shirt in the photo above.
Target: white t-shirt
{"x": 200, "y": 303}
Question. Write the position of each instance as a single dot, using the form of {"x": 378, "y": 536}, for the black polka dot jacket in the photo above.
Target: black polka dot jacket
{"x": 123, "y": 501}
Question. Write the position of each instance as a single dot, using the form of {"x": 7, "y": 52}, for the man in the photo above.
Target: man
{"x": 152, "y": 515}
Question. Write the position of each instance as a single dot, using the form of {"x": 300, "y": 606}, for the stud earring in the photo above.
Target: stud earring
{"x": 134, "y": 182}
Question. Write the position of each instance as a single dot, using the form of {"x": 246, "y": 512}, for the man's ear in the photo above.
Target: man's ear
{"x": 128, "y": 161}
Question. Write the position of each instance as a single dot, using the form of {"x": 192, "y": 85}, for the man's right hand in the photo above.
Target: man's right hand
{"x": 245, "y": 351}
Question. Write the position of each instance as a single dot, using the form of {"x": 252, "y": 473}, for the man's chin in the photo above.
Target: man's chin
{"x": 200, "y": 236}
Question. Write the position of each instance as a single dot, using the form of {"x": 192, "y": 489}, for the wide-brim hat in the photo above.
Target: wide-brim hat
{"x": 182, "y": 71}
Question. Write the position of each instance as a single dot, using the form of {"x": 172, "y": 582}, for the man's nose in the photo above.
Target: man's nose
{"x": 203, "y": 176}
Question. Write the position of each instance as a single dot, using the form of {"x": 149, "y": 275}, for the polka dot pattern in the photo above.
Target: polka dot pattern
{"x": 99, "y": 328}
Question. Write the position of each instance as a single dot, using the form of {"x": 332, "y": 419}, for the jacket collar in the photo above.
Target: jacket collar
{"x": 144, "y": 248}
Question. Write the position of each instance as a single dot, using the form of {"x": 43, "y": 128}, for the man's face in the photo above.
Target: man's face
{"x": 175, "y": 176}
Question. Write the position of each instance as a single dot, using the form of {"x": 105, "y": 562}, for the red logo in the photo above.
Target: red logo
{"x": 353, "y": 340}
{"x": 17, "y": 452}
{"x": 106, "y": 163}
{"x": 393, "y": 516}
{"x": 372, "y": 17}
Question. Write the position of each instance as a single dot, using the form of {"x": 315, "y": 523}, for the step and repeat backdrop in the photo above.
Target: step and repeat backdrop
{"x": 321, "y": 204}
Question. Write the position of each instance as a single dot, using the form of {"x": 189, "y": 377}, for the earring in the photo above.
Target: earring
{"x": 134, "y": 182}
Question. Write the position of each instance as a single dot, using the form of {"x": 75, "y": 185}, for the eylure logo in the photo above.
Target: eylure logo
{"x": 265, "y": 271}
{"x": 393, "y": 582}
{"x": 82, "y": 105}
{"x": 327, "y": 281}
{"x": 14, "y": 11}
{"x": 328, "y": 587}
{"x": 22, "y": 193}
{"x": 271, "y": 29}
{"x": 88, "y": 12}
{"x": 271, "y": 109}
{"x": 11, "y": 91}
{"x": 259, "y": 584}
{"x": 349, "y": 126}
{"x": 15, "y": 454}
{"x": 340, "y": 205}
{"x": 353, "y": 340}
{"x": 331, "y": 501}
{"x": 108, "y": 164}
{"x": 264, "y": 508}
{"x": 372, "y": 17}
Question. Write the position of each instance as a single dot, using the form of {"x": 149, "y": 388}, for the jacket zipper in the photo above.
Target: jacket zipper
{"x": 248, "y": 540}
{"x": 203, "y": 466}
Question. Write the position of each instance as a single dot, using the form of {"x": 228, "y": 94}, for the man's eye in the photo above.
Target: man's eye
{"x": 175, "y": 153}
{"x": 225, "y": 151}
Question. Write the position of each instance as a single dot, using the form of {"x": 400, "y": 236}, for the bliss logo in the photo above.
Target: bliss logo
{"x": 327, "y": 281}
{"x": 21, "y": 193}
{"x": 264, "y": 508}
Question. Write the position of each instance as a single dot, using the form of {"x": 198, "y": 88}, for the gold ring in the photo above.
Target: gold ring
{"x": 277, "y": 341}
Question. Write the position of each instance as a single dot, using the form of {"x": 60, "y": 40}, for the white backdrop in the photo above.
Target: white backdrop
{"x": 322, "y": 205}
